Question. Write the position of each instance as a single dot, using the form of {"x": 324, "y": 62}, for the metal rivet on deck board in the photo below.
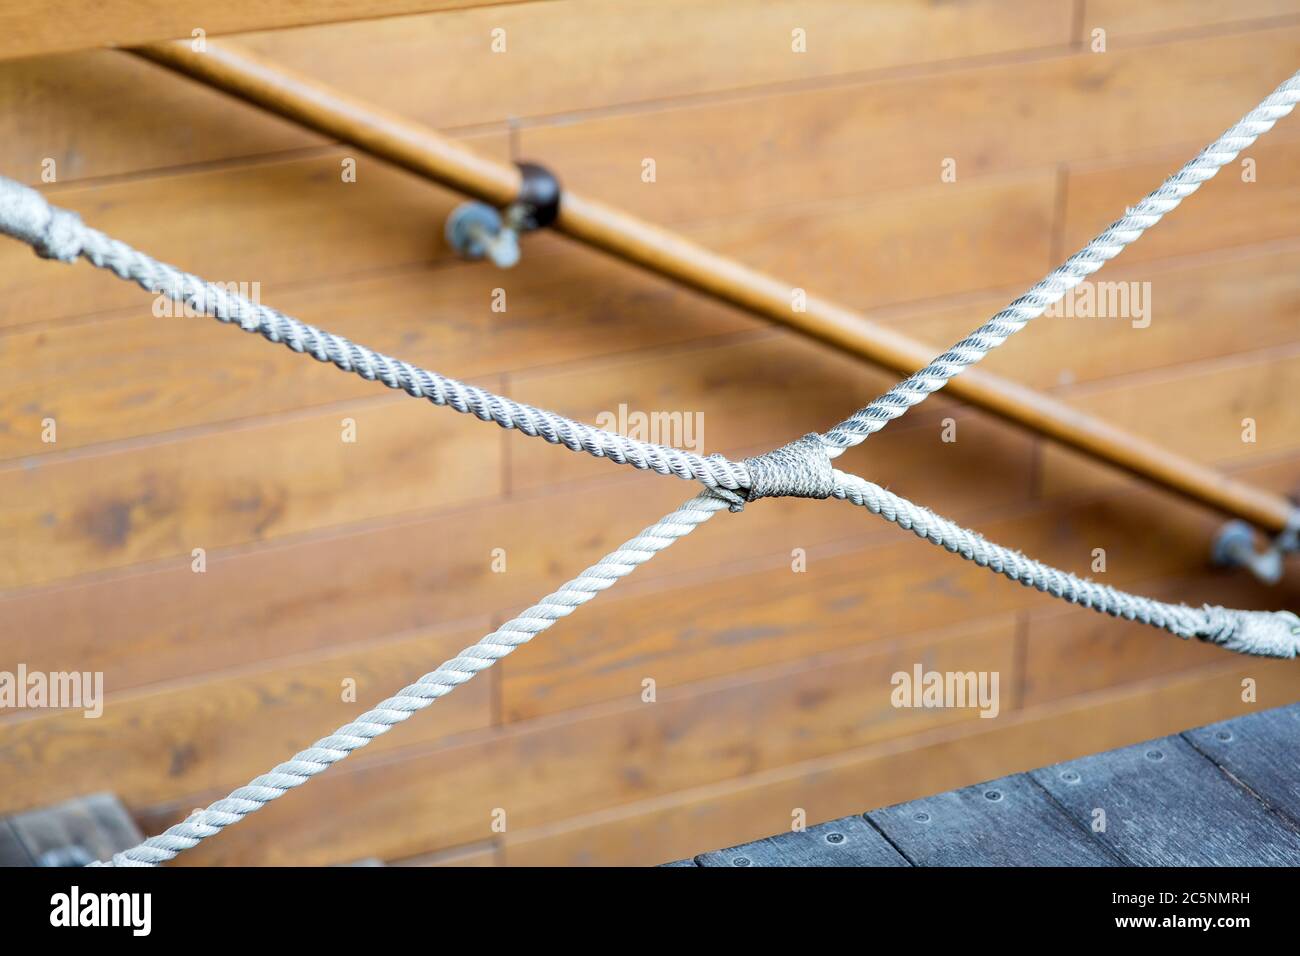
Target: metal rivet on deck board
{"x": 740, "y": 861}
{"x": 992, "y": 795}
{"x": 1224, "y": 735}
{"x": 1070, "y": 776}
{"x": 835, "y": 838}
{"x": 1155, "y": 755}
{"x": 922, "y": 817}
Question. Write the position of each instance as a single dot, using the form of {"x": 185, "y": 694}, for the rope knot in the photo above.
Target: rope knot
{"x": 1263, "y": 633}
{"x": 24, "y": 214}
{"x": 801, "y": 469}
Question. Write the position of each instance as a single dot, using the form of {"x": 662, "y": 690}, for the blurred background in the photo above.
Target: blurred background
{"x": 204, "y": 534}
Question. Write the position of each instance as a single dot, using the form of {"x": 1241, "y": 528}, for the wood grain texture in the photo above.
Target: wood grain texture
{"x": 71, "y": 515}
{"x": 1254, "y": 199}
{"x": 1259, "y": 752}
{"x": 1123, "y": 20}
{"x": 735, "y": 396}
{"x": 619, "y": 55}
{"x": 72, "y": 25}
{"x": 440, "y": 68}
{"x": 896, "y": 132}
{"x": 848, "y": 842}
{"x": 1074, "y": 651}
{"x": 1005, "y": 822}
{"x": 1143, "y": 790}
{"x": 87, "y": 374}
{"x": 1013, "y": 821}
{"x": 755, "y": 806}
{"x": 823, "y": 167}
{"x": 314, "y": 223}
{"x": 546, "y": 771}
{"x": 475, "y": 855}
{"x": 154, "y": 745}
{"x": 1204, "y": 410}
{"x": 1200, "y": 307}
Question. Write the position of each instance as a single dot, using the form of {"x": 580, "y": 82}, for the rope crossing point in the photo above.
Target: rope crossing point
{"x": 802, "y": 468}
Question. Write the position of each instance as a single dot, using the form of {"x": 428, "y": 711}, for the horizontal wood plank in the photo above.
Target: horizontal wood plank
{"x": 1123, "y": 20}
{"x": 154, "y": 745}
{"x": 1192, "y": 308}
{"x": 72, "y": 515}
{"x": 1253, "y": 199}
{"x": 1225, "y": 412}
{"x": 88, "y": 375}
{"x": 897, "y": 133}
{"x": 748, "y": 808}
{"x": 860, "y": 595}
{"x": 308, "y": 223}
{"x": 71, "y": 25}
{"x": 546, "y": 772}
{"x": 441, "y": 69}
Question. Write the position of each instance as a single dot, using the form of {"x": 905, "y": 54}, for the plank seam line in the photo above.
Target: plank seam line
{"x": 1064, "y": 812}
{"x": 1280, "y": 813}
{"x": 803, "y": 468}
{"x": 870, "y": 821}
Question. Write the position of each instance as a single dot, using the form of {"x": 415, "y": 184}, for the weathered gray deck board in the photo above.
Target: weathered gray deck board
{"x": 12, "y": 851}
{"x": 1262, "y": 751}
{"x": 1227, "y": 794}
{"x": 1006, "y": 822}
{"x": 74, "y": 833}
{"x": 1165, "y": 804}
{"x": 848, "y": 842}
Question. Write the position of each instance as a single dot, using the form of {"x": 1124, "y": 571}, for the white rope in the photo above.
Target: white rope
{"x": 915, "y": 389}
{"x": 328, "y": 751}
{"x": 57, "y": 233}
{"x": 1262, "y": 633}
{"x": 802, "y": 468}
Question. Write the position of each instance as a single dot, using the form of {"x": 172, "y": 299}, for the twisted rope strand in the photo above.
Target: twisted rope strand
{"x": 57, "y": 233}
{"x": 800, "y": 468}
{"x": 352, "y": 736}
{"x": 1263, "y": 633}
{"x": 865, "y": 422}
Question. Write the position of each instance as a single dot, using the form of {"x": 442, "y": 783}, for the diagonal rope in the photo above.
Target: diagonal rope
{"x": 1263, "y": 633}
{"x": 328, "y": 751}
{"x": 802, "y": 468}
{"x": 915, "y": 389}
{"x": 57, "y": 233}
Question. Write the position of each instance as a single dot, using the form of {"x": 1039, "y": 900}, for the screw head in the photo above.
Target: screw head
{"x": 835, "y": 838}
{"x": 740, "y": 861}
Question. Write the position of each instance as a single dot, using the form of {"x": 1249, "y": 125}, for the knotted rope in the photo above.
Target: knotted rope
{"x": 800, "y": 469}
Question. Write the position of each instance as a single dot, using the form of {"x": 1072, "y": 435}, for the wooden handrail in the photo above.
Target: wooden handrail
{"x": 422, "y": 150}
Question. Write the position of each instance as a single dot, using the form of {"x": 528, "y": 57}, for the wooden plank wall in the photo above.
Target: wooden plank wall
{"x": 371, "y": 561}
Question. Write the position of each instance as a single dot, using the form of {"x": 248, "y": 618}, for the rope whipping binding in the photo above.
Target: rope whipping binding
{"x": 802, "y": 468}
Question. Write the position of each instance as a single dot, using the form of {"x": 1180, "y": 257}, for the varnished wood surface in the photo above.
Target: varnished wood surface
{"x": 372, "y": 561}
{"x": 268, "y": 83}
